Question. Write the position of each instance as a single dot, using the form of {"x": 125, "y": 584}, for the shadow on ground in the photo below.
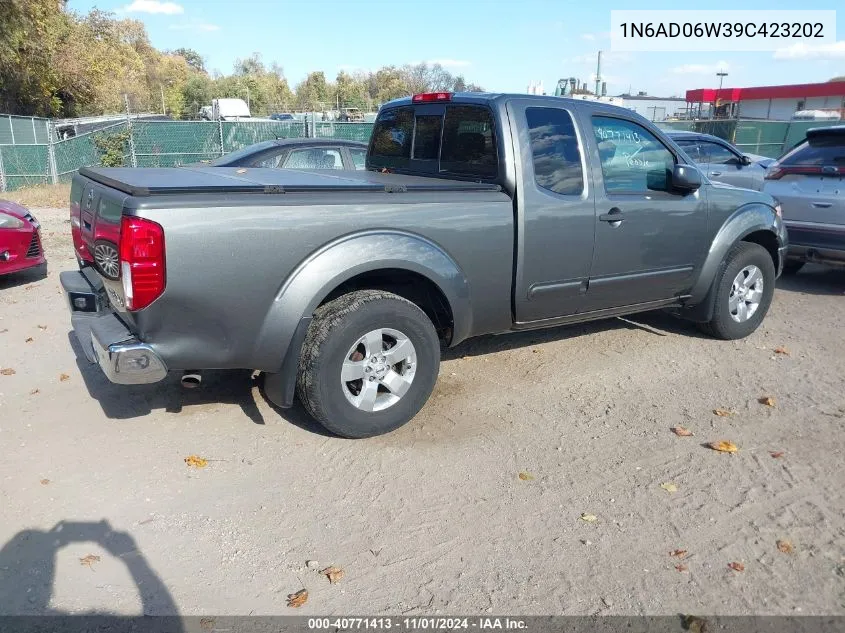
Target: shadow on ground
{"x": 122, "y": 402}
{"x": 815, "y": 279}
{"x": 236, "y": 386}
{"x": 28, "y": 569}
{"x": 23, "y": 277}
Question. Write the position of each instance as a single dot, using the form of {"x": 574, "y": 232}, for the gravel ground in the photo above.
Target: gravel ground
{"x": 435, "y": 517}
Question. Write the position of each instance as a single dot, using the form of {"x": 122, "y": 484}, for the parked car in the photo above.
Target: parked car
{"x": 280, "y": 116}
{"x": 809, "y": 183}
{"x": 478, "y": 214}
{"x": 298, "y": 153}
{"x": 20, "y": 239}
{"x": 721, "y": 161}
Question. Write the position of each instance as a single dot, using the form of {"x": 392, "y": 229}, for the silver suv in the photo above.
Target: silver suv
{"x": 809, "y": 182}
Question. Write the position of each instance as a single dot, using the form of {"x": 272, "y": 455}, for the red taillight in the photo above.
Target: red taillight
{"x": 141, "y": 261}
{"x": 776, "y": 172}
{"x": 426, "y": 97}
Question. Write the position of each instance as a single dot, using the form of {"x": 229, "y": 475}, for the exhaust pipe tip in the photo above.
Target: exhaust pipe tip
{"x": 191, "y": 379}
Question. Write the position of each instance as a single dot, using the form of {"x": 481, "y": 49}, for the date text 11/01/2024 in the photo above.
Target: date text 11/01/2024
{"x": 415, "y": 624}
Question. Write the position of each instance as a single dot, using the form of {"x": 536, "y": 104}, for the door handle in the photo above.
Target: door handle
{"x": 613, "y": 217}
{"x": 715, "y": 173}
{"x": 822, "y": 205}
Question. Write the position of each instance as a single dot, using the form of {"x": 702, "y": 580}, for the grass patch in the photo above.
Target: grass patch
{"x": 40, "y": 196}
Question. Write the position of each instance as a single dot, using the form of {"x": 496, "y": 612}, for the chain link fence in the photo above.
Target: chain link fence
{"x": 154, "y": 144}
{"x": 174, "y": 143}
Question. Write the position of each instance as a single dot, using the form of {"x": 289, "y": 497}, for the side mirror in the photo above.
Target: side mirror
{"x": 686, "y": 178}
{"x": 744, "y": 160}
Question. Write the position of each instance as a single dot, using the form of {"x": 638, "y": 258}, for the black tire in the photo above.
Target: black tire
{"x": 792, "y": 266}
{"x": 336, "y": 326}
{"x": 722, "y": 325}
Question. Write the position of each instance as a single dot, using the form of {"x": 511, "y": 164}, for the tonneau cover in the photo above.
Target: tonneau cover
{"x": 141, "y": 182}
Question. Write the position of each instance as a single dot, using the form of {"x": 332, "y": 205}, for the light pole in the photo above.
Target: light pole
{"x": 721, "y": 75}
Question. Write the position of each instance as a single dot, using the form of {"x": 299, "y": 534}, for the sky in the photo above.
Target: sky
{"x": 503, "y": 45}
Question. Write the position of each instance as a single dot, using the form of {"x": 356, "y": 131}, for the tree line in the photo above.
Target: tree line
{"x": 58, "y": 63}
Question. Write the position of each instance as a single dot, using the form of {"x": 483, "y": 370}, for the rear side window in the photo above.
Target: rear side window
{"x": 554, "y": 147}
{"x": 459, "y": 140}
{"x": 359, "y": 158}
{"x": 392, "y": 135}
{"x": 820, "y": 151}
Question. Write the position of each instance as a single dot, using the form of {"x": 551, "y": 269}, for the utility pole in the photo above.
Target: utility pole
{"x": 598, "y": 75}
{"x": 163, "y": 109}
{"x": 721, "y": 75}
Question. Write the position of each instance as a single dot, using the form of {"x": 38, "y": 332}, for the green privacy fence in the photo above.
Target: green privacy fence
{"x": 154, "y": 144}
{"x": 23, "y": 130}
{"x": 766, "y": 138}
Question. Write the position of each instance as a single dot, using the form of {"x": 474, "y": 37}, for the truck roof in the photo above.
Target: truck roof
{"x": 491, "y": 98}
{"x": 144, "y": 182}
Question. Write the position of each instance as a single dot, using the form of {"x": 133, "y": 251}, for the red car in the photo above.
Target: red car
{"x": 20, "y": 239}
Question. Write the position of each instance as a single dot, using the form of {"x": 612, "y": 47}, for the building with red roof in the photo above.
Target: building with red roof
{"x": 776, "y": 103}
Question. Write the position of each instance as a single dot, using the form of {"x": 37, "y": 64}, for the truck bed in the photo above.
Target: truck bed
{"x": 146, "y": 182}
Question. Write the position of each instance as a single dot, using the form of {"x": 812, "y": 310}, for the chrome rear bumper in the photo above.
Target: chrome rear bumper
{"x": 104, "y": 338}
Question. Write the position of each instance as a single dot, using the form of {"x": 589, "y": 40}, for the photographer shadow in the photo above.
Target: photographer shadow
{"x": 28, "y": 569}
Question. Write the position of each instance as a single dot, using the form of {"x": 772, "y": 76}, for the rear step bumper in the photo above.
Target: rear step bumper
{"x": 104, "y": 338}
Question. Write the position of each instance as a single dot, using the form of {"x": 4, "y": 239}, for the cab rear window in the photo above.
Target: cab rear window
{"x": 453, "y": 139}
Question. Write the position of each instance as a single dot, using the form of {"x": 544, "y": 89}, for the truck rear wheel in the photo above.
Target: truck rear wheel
{"x": 368, "y": 364}
{"x": 744, "y": 291}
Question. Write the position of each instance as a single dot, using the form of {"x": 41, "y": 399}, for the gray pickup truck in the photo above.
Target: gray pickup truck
{"x": 477, "y": 214}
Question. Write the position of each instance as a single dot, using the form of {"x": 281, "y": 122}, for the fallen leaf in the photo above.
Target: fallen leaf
{"x": 681, "y": 567}
{"x": 736, "y": 566}
{"x": 63, "y": 377}
{"x": 8, "y": 371}
{"x": 297, "y": 599}
{"x": 241, "y": 171}
{"x": 537, "y": 351}
{"x": 678, "y": 553}
{"x": 196, "y": 461}
{"x": 669, "y": 487}
{"x": 42, "y": 327}
{"x": 723, "y": 413}
{"x": 4, "y": 330}
{"x": 207, "y": 624}
{"x": 782, "y": 350}
{"x": 89, "y": 561}
{"x": 681, "y": 431}
{"x": 334, "y": 574}
{"x": 785, "y": 546}
{"x": 34, "y": 391}
{"x": 29, "y": 339}
{"x": 526, "y": 476}
{"x": 695, "y": 625}
{"x": 724, "y": 446}
{"x": 589, "y": 518}
{"x": 44, "y": 482}
{"x": 769, "y": 401}
{"x": 776, "y": 454}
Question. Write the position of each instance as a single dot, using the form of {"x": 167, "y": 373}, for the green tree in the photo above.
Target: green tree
{"x": 193, "y": 58}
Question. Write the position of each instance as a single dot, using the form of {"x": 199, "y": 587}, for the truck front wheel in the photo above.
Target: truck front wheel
{"x": 744, "y": 291}
{"x": 368, "y": 364}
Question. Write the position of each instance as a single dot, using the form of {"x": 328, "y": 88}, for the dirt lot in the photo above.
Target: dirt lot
{"x": 435, "y": 518}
